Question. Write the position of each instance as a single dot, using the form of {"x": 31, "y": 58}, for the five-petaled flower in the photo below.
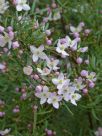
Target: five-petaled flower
{"x": 21, "y": 5}
{"x": 38, "y": 53}
{"x": 60, "y": 81}
{"x": 54, "y": 99}
{"x": 43, "y": 95}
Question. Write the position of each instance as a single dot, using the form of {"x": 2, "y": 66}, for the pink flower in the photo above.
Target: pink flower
{"x": 79, "y": 60}
{"x": 91, "y": 85}
{"x": 1, "y": 29}
{"x": 84, "y": 73}
{"x": 15, "y": 45}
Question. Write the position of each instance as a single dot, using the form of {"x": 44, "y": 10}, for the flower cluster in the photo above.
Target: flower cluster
{"x": 7, "y": 39}
{"x": 61, "y": 88}
{"x": 75, "y": 31}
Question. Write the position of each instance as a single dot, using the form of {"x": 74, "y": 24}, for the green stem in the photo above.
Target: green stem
{"x": 34, "y": 123}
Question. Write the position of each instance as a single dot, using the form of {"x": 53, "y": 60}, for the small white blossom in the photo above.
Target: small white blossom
{"x": 4, "y": 39}
{"x": 21, "y": 5}
{"x": 72, "y": 43}
{"x": 38, "y": 53}
{"x": 91, "y": 77}
{"x": 78, "y": 84}
{"x": 77, "y": 29}
{"x": 5, "y": 132}
{"x": 54, "y": 99}
{"x": 44, "y": 72}
{"x": 27, "y": 70}
{"x": 60, "y": 81}
{"x": 74, "y": 97}
{"x": 62, "y": 45}
{"x": 66, "y": 91}
{"x": 43, "y": 95}
{"x": 52, "y": 64}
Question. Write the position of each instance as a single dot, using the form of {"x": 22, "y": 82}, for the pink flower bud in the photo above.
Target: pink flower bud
{"x": 10, "y": 28}
{"x": 23, "y": 90}
{"x": 23, "y": 97}
{"x": 14, "y": 2}
{"x": 53, "y": 5}
{"x": 87, "y": 31}
{"x": 15, "y": 45}
{"x": 2, "y": 114}
{"x": 16, "y": 110}
{"x": 38, "y": 88}
{"x": 79, "y": 60}
{"x": 36, "y": 77}
{"x": 74, "y": 48}
{"x": 1, "y": 29}
{"x": 91, "y": 85}
{"x": 84, "y": 73}
{"x": 48, "y": 32}
{"x": 78, "y": 39}
{"x": 17, "y": 89}
{"x": 11, "y": 34}
{"x": 49, "y": 132}
{"x": 49, "y": 42}
{"x": 82, "y": 24}
{"x": 76, "y": 35}
{"x": 45, "y": 20}
{"x": 85, "y": 91}
{"x": 5, "y": 50}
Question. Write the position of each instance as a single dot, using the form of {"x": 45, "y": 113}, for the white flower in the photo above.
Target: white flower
{"x": 3, "y": 6}
{"x": 74, "y": 97}
{"x": 60, "y": 81}
{"x": 21, "y": 5}
{"x": 66, "y": 91}
{"x": 43, "y": 95}
{"x": 91, "y": 77}
{"x": 5, "y": 132}
{"x": 52, "y": 64}
{"x": 27, "y": 70}
{"x": 78, "y": 84}
{"x": 4, "y": 39}
{"x": 62, "y": 45}
{"x": 72, "y": 43}
{"x": 38, "y": 53}
{"x": 54, "y": 99}
{"x": 44, "y": 72}
{"x": 77, "y": 29}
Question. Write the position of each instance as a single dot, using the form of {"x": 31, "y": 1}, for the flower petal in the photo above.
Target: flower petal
{"x": 43, "y": 100}
{"x": 55, "y": 81}
{"x": 35, "y": 58}
{"x": 56, "y": 105}
{"x": 19, "y": 8}
{"x": 26, "y": 7}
